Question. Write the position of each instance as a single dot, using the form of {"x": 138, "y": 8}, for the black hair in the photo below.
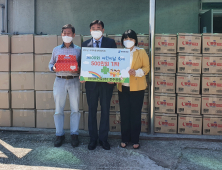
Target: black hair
{"x": 68, "y": 26}
{"x": 96, "y": 22}
{"x": 129, "y": 34}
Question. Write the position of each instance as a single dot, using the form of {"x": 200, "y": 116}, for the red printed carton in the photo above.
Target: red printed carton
{"x": 189, "y": 43}
{"x": 212, "y": 84}
{"x": 190, "y": 124}
{"x": 212, "y": 125}
{"x": 212, "y": 43}
{"x": 212, "y": 104}
{"x": 165, "y": 123}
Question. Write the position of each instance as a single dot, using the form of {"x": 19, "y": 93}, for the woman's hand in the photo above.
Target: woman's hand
{"x": 132, "y": 72}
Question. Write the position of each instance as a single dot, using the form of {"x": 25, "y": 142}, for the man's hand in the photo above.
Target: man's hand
{"x": 110, "y": 82}
{"x": 132, "y": 72}
{"x": 54, "y": 67}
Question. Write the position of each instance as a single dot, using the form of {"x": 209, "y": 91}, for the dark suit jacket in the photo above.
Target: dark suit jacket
{"x": 106, "y": 43}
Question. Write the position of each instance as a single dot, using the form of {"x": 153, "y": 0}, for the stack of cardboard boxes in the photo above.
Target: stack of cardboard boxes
{"x": 44, "y": 80}
{"x": 188, "y": 83}
{"x": 26, "y": 86}
{"x": 165, "y": 69}
{"x": 212, "y": 84}
{"x": 22, "y": 81}
{"x": 5, "y": 111}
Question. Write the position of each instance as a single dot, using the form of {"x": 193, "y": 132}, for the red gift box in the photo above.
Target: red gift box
{"x": 66, "y": 63}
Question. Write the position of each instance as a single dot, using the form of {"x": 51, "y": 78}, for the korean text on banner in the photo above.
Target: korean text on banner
{"x": 105, "y": 65}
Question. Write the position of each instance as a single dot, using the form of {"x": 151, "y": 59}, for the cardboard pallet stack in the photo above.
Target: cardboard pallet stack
{"x": 165, "y": 69}
{"x": 212, "y": 84}
{"x": 188, "y": 84}
{"x": 5, "y": 111}
{"x": 22, "y": 81}
{"x": 44, "y": 79}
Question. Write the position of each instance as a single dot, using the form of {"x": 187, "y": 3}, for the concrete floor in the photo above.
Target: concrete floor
{"x": 34, "y": 150}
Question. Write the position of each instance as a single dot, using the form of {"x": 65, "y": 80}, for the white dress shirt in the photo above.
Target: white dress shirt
{"x": 139, "y": 72}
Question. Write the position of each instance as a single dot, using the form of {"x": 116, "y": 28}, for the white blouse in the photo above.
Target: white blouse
{"x": 139, "y": 72}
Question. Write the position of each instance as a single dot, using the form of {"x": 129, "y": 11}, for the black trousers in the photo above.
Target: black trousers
{"x": 131, "y": 103}
{"x": 104, "y": 92}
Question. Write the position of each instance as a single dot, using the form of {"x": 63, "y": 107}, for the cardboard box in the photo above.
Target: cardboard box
{"x": 212, "y": 43}
{"x": 5, "y": 41}
{"x": 77, "y": 40}
{"x": 45, "y": 119}
{"x": 145, "y": 106}
{"x": 114, "y": 122}
{"x": 22, "y": 62}
{"x": 165, "y": 123}
{"x": 42, "y": 62}
{"x": 5, "y": 99}
{"x": 67, "y": 105}
{"x": 44, "y": 81}
{"x": 188, "y": 83}
{"x": 86, "y": 37}
{"x": 144, "y": 122}
{"x": 189, "y": 43}
{"x": 148, "y": 83}
{"x": 212, "y": 125}
{"x": 86, "y": 115}
{"x": 5, "y": 118}
{"x": 212, "y": 63}
{"x": 165, "y": 63}
{"x": 117, "y": 39}
{"x": 189, "y": 104}
{"x": 83, "y": 87}
{"x": 44, "y": 44}
{"x": 22, "y": 99}
{"x": 114, "y": 104}
{"x": 165, "y": 83}
{"x": 212, "y": 104}
{"x": 44, "y": 100}
{"x": 5, "y": 62}
{"x": 85, "y": 104}
{"x": 23, "y": 118}
{"x": 189, "y": 63}
{"x": 4, "y": 80}
{"x": 212, "y": 84}
{"x": 165, "y": 43}
{"x": 143, "y": 41}
{"x": 22, "y": 81}
{"x": 190, "y": 124}
{"x": 81, "y": 121}
{"x": 22, "y": 44}
{"x": 165, "y": 103}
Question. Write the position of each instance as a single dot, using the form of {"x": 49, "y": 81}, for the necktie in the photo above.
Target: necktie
{"x": 97, "y": 44}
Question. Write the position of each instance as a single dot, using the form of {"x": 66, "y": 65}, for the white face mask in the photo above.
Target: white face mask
{"x": 128, "y": 43}
{"x": 96, "y": 34}
{"x": 67, "y": 39}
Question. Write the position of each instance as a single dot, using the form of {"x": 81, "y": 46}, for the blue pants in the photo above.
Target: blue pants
{"x": 60, "y": 90}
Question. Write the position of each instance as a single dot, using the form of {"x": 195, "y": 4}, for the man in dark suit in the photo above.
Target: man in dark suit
{"x": 96, "y": 90}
